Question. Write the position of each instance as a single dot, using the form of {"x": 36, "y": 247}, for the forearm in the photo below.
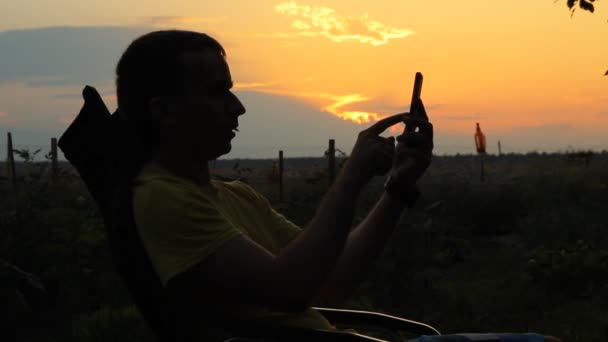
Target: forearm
{"x": 363, "y": 246}
{"x": 307, "y": 261}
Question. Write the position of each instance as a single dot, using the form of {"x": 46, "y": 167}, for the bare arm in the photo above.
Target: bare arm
{"x": 243, "y": 271}
{"x": 363, "y": 246}
{"x": 366, "y": 242}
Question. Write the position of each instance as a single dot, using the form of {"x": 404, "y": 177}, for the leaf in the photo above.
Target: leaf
{"x": 586, "y": 5}
{"x": 606, "y": 74}
{"x": 571, "y": 3}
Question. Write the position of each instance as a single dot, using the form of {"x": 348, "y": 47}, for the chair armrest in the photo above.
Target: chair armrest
{"x": 303, "y": 335}
{"x": 375, "y": 321}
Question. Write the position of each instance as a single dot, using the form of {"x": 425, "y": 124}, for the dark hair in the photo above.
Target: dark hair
{"x": 153, "y": 66}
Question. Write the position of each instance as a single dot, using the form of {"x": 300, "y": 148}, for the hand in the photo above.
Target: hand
{"x": 414, "y": 148}
{"x": 372, "y": 154}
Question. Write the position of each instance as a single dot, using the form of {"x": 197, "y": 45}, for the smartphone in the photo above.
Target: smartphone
{"x": 416, "y": 93}
{"x": 414, "y": 110}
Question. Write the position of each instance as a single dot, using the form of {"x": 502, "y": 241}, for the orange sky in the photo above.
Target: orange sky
{"x": 507, "y": 64}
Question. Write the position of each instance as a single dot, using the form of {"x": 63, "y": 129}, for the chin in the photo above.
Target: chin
{"x": 220, "y": 153}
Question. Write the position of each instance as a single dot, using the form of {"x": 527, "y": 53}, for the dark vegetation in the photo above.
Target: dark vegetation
{"x": 526, "y": 250}
{"x": 586, "y": 5}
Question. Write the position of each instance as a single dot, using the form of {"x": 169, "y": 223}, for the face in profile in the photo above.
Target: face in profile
{"x": 207, "y": 113}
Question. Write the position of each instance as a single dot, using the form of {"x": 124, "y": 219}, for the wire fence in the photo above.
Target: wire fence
{"x": 271, "y": 166}
{"x": 304, "y": 151}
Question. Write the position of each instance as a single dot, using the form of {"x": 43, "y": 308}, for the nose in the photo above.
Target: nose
{"x": 236, "y": 106}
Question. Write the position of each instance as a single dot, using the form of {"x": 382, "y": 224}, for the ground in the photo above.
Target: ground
{"x": 524, "y": 250}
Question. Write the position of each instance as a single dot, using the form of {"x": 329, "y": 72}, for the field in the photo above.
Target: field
{"x": 524, "y": 250}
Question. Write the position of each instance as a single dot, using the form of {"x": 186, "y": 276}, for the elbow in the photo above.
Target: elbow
{"x": 292, "y": 302}
{"x": 296, "y": 305}
{"x": 291, "y": 292}
{"x": 290, "y": 297}
{"x": 331, "y": 298}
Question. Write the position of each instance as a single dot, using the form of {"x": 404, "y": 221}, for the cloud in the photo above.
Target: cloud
{"x": 177, "y": 21}
{"x": 325, "y": 22}
{"x": 58, "y": 56}
{"x": 291, "y": 123}
{"x": 335, "y": 106}
{"x": 357, "y": 116}
{"x": 339, "y": 106}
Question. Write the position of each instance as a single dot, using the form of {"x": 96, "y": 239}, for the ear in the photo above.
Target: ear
{"x": 160, "y": 110}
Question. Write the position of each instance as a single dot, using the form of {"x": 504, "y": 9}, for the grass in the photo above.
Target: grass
{"x": 526, "y": 250}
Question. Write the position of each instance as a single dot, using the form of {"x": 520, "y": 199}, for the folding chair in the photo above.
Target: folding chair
{"x": 99, "y": 145}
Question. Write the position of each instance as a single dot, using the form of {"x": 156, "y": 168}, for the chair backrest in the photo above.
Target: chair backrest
{"x": 134, "y": 266}
{"x": 100, "y": 147}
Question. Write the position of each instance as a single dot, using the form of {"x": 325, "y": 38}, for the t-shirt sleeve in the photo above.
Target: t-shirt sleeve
{"x": 179, "y": 227}
{"x": 284, "y": 229}
{"x": 281, "y": 227}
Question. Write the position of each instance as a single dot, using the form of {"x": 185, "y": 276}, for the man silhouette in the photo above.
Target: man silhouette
{"x": 221, "y": 251}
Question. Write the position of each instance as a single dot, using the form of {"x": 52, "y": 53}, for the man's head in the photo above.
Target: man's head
{"x": 174, "y": 86}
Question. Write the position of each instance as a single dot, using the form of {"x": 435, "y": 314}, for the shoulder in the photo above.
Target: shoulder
{"x": 155, "y": 176}
{"x": 156, "y": 189}
{"x": 242, "y": 191}
{"x": 241, "y": 188}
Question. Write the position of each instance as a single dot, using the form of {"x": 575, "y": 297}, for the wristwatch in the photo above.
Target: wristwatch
{"x": 407, "y": 193}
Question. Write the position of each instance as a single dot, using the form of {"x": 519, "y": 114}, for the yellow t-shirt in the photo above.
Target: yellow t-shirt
{"x": 181, "y": 223}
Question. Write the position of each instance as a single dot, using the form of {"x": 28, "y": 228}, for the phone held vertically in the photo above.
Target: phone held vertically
{"x": 415, "y": 103}
{"x": 416, "y": 93}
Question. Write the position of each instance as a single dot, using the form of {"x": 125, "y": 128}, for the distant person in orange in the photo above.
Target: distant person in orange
{"x": 219, "y": 248}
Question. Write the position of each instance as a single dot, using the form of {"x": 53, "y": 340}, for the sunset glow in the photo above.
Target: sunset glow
{"x": 532, "y": 75}
{"x": 314, "y": 21}
{"x": 356, "y": 116}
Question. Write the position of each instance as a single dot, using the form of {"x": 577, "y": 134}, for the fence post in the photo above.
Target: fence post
{"x": 331, "y": 158}
{"x": 281, "y": 176}
{"x": 54, "y": 164}
{"x": 482, "y": 175}
{"x": 10, "y": 163}
{"x": 12, "y": 175}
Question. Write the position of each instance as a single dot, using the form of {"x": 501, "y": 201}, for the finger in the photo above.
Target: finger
{"x": 386, "y": 155}
{"x": 384, "y": 162}
{"x": 390, "y": 141}
{"x": 417, "y": 111}
{"x": 416, "y": 140}
{"x": 411, "y": 119}
{"x": 424, "y": 126}
{"x": 415, "y": 154}
{"x": 382, "y": 125}
{"x": 386, "y": 146}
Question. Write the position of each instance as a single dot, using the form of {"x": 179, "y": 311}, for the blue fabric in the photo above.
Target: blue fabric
{"x": 528, "y": 337}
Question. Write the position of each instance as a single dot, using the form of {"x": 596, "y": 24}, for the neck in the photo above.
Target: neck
{"x": 183, "y": 163}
